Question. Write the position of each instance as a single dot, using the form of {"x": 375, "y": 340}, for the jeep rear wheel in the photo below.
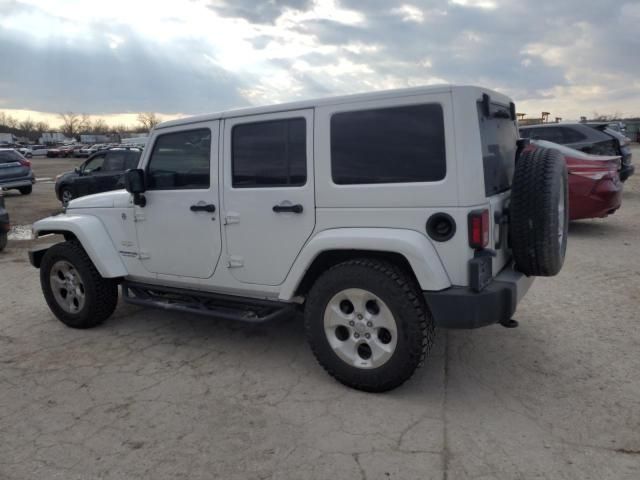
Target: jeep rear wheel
{"x": 368, "y": 325}
{"x": 73, "y": 288}
{"x": 539, "y": 212}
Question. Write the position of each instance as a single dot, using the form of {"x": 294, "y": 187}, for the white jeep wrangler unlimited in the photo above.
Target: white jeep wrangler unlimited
{"x": 381, "y": 216}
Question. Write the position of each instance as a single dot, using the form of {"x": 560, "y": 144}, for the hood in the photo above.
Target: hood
{"x": 113, "y": 199}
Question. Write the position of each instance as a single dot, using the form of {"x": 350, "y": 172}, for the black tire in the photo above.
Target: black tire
{"x": 539, "y": 212}
{"x": 100, "y": 294}
{"x": 3, "y": 240}
{"x": 402, "y": 296}
{"x": 66, "y": 191}
{"x": 25, "y": 190}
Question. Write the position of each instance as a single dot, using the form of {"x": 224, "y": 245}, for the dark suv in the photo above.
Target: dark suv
{"x": 588, "y": 138}
{"x": 101, "y": 172}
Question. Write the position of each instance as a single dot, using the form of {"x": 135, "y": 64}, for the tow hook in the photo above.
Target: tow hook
{"x": 509, "y": 323}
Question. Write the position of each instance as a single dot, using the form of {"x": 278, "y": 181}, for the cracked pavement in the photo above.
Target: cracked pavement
{"x": 155, "y": 394}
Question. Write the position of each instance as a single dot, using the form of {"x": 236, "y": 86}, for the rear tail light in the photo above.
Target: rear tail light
{"x": 25, "y": 163}
{"x": 479, "y": 228}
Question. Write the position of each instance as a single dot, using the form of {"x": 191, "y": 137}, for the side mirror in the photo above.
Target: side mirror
{"x": 77, "y": 170}
{"x": 134, "y": 184}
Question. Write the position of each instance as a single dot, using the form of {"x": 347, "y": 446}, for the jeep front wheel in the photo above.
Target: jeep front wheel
{"x": 74, "y": 290}
{"x": 368, "y": 325}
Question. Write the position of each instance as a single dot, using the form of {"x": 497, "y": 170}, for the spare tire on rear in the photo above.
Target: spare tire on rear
{"x": 539, "y": 212}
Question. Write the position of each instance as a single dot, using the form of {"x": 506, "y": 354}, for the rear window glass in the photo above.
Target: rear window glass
{"x": 499, "y": 135}
{"x": 388, "y": 145}
{"x": 10, "y": 156}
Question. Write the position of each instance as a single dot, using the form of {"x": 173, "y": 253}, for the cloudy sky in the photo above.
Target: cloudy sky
{"x": 180, "y": 57}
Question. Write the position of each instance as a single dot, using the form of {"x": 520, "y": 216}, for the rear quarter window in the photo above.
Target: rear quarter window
{"x": 388, "y": 145}
{"x": 499, "y": 136}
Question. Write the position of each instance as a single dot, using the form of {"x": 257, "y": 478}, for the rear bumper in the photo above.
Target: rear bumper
{"x": 626, "y": 171}
{"x": 18, "y": 182}
{"x": 463, "y": 308}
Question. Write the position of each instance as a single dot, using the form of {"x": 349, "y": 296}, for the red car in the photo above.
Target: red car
{"x": 595, "y": 189}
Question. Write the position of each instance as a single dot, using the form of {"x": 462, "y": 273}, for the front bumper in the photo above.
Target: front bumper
{"x": 462, "y": 307}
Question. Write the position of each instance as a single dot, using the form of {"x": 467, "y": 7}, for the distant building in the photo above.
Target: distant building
{"x": 99, "y": 138}
{"x": 7, "y": 138}
{"x": 54, "y": 137}
{"x": 134, "y": 140}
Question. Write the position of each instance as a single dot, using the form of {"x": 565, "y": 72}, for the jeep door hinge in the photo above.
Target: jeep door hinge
{"x": 235, "y": 261}
{"x": 231, "y": 217}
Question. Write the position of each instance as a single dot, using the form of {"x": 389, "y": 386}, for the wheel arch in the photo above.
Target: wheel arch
{"x": 409, "y": 249}
{"x": 90, "y": 232}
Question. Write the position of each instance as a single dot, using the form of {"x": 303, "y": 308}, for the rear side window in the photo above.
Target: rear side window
{"x": 132, "y": 159}
{"x": 114, "y": 161}
{"x": 388, "y": 145}
{"x": 269, "y": 154}
{"x": 180, "y": 160}
{"x": 572, "y": 136}
{"x": 10, "y": 156}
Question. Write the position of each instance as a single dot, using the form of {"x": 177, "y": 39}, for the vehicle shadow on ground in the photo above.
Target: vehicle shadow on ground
{"x": 596, "y": 228}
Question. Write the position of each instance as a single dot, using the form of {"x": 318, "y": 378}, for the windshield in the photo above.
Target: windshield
{"x": 9, "y": 156}
{"x": 499, "y": 134}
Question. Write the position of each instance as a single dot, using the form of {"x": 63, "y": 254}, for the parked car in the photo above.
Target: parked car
{"x": 54, "y": 152}
{"x": 624, "y": 147}
{"x": 583, "y": 137}
{"x": 82, "y": 151}
{"x": 380, "y": 215}
{"x": 66, "y": 150}
{"x": 38, "y": 150}
{"x": 101, "y": 172}
{"x": 15, "y": 171}
{"x": 26, "y": 152}
{"x": 595, "y": 188}
{"x": 5, "y": 225}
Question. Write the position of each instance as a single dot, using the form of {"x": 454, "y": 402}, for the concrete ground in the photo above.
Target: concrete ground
{"x": 152, "y": 394}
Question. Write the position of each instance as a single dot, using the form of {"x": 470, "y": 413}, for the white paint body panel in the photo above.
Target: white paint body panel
{"x": 93, "y": 236}
{"x": 415, "y": 247}
{"x": 195, "y": 251}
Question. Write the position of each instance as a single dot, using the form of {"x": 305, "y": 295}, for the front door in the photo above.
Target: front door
{"x": 268, "y": 195}
{"x": 178, "y": 228}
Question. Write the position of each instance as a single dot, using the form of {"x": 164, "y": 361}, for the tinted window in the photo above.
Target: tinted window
{"x": 499, "y": 135}
{"x": 114, "y": 162}
{"x": 94, "y": 165}
{"x": 132, "y": 159}
{"x": 572, "y": 136}
{"x": 269, "y": 154}
{"x": 388, "y": 145}
{"x": 180, "y": 160}
{"x": 10, "y": 156}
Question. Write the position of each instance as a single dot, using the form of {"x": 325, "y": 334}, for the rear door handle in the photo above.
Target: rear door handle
{"x": 203, "y": 208}
{"x": 297, "y": 208}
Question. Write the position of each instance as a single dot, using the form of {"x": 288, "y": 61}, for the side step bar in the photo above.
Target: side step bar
{"x": 226, "y": 307}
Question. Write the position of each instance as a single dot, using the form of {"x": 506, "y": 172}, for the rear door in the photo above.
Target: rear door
{"x": 268, "y": 193}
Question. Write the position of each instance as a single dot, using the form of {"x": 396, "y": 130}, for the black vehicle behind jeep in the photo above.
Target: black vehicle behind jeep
{"x": 594, "y": 139}
{"x": 101, "y": 172}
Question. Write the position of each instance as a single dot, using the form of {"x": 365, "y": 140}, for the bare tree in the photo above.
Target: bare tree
{"x": 70, "y": 123}
{"x": 100, "y": 126}
{"x": 148, "y": 120}
{"x": 11, "y": 122}
{"x": 27, "y": 126}
{"x": 41, "y": 127}
{"x": 84, "y": 124}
